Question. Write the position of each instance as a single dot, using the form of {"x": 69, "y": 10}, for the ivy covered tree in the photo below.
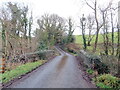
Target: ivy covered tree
{"x": 51, "y": 29}
{"x": 83, "y": 26}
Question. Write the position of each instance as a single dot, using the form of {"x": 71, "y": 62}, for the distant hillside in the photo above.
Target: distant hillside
{"x": 79, "y": 40}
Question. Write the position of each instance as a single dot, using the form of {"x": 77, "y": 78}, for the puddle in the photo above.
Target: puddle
{"x": 62, "y": 63}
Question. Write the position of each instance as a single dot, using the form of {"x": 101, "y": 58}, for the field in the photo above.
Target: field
{"x": 100, "y": 48}
{"x": 110, "y": 60}
{"x": 79, "y": 40}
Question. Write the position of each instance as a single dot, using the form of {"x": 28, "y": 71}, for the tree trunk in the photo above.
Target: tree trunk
{"x": 4, "y": 44}
{"x": 118, "y": 45}
{"x": 30, "y": 36}
{"x": 83, "y": 35}
{"x": 118, "y": 49}
{"x": 96, "y": 40}
{"x": 112, "y": 34}
{"x": 89, "y": 43}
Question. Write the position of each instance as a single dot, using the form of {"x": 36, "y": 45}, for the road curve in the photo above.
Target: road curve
{"x": 61, "y": 72}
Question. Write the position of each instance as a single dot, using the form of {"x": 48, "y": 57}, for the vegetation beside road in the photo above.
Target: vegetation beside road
{"x": 20, "y": 70}
{"x": 107, "y": 81}
{"x": 101, "y": 72}
{"x": 99, "y": 53}
{"x": 111, "y": 59}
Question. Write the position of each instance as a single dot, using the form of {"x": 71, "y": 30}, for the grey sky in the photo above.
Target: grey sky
{"x": 64, "y": 8}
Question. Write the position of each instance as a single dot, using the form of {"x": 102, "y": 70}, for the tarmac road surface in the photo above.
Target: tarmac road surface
{"x": 61, "y": 72}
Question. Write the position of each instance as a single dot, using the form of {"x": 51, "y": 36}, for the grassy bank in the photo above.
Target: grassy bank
{"x": 100, "y": 47}
{"x": 20, "y": 70}
{"x": 79, "y": 39}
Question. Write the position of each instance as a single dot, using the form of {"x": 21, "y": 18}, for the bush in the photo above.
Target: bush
{"x": 68, "y": 39}
{"x": 101, "y": 85}
{"x": 97, "y": 64}
{"x": 71, "y": 51}
{"x": 101, "y": 67}
{"x": 90, "y": 71}
{"x": 107, "y": 81}
{"x": 42, "y": 46}
{"x": 112, "y": 62}
{"x": 42, "y": 55}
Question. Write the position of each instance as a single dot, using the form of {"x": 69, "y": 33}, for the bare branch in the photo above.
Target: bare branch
{"x": 89, "y": 5}
{"x": 110, "y": 3}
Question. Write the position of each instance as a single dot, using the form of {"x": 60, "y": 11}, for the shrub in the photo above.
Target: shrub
{"x": 101, "y": 85}
{"x": 42, "y": 55}
{"x": 90, "y": 71}
{"x": 107, "y": 80}
{"x": 101, "y": 67}
{"x": 97, "y": 64}
{"x": 68, "y": 39}
{"x": 71, "y": 51}
{"x": 42, "y": 46}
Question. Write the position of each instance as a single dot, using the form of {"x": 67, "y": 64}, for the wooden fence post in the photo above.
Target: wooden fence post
{"x": 2, "y": 65}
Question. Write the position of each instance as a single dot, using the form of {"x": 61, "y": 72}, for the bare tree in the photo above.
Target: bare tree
{"x": 83, "y": 26}
{"x": 13, "y": 30}
{"x": 25, "y": 20}
{"x": 118, "y": 47}
{"x": 105, "y": 30}
{"x": 90, "y": 26}
{"x": 30, "y": 28}
{"x": 98, "y": 25}
{"x": 70, "y": 30}
{"x": 112, "y": 27}
{"x": 112, "y": 16}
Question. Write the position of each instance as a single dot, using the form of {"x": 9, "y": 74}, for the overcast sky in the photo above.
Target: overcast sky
{"x": 64, "y": 8}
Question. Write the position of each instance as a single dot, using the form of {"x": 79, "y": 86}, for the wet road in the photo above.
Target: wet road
{"x": 61, "y": 72}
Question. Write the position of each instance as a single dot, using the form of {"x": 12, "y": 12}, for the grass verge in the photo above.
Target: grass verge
{"x": 20, "y": 70}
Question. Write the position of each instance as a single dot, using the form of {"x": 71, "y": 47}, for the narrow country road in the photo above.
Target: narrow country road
{"x": 61, "y": 72}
